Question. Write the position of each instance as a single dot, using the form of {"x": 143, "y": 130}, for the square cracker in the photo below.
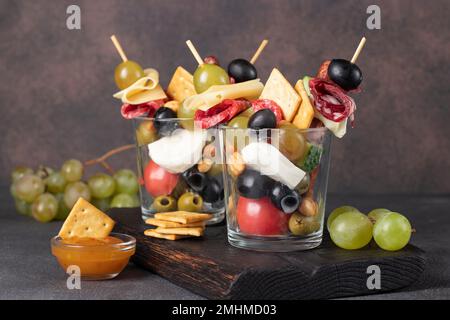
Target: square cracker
{"x": 154, "y": 234}
{"x": 170, "y": 224}
{"x": 196, "y": 232}
{"x": 86, "y": 221}
{"x": 278, "y": 89}
{"x": 181, "y": 85}
{"x": 183, "y": 217}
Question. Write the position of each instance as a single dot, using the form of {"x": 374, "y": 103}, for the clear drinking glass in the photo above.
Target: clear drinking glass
{"x": 262, "y": 166}
{"x": 179, "y": 167}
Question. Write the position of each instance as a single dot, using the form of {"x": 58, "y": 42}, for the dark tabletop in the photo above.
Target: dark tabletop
{"x": 29, "y": 271}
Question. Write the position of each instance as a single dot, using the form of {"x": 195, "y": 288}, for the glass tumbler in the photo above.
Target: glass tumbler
{"x": 178, "y": 167}
{"x": 275, "y": 186}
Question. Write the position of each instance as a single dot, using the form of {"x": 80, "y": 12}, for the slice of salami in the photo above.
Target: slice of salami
{"x": 130, "y": 111}
{"x": 260, "y": 104}
{"x": 331, "y": 101}
{"x": 220, "y": 113}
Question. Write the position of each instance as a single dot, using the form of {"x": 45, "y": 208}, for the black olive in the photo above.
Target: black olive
{"x": 242, "y": 70}
{"x": 251, "y": 184}
{"x": 195, "y": 180}
{"x": 163, "y": 126}
{"x": 262, "y": 119}
{"x": 345, "y": 74}
{"x": 213, "y": 191}
{"x": 284, "y": 198}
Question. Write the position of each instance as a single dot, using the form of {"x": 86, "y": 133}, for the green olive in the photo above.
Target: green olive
{"x": 239, "y": 122}
{"x": 301, "y": 226}
{"x": 164, "y": 204}
{"x": 208, "y": 75}
{"x": 127, "y": 73}
{"x": 292, "y": 142}
{"x": 303, "y": 186}
{"x": 190, "y": 201}
{"x": 145, "y": 133}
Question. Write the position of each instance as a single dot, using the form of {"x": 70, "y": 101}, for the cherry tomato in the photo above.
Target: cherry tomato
{"x": 261, "y": 217}
{"x": 158, "y": 181}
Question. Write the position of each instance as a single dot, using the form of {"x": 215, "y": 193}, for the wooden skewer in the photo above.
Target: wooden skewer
{"x": 119, "y": 48}
{"x": 195, "y": 52}
{"x": 358, "y": 50}
{"x": 258, "y": 52}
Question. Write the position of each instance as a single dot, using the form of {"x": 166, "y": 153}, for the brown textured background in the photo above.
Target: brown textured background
{"x": 56, "y": 84}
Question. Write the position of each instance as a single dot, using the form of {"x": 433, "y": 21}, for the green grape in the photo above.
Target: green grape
{"x": 145, "y": 133}
{"x": 101, "y": 185}
{"x": 55, "y": 182}
{"x": 44, "y": 208}
{"x": 43, "y": 172}
{"x": 63, "y": 210}
{"x": 392, "y": 231}
{"x": 19, "y": 172}
{"x": 185, "y": 112}
{"x": 337, "y": 212}
{"x": 22, "y": 207}
{"x": 127, "y": 73}
{"x": 72, "y": 170}
{"x": 28, "y": 187}
{"x": 74, "y": 191}
{"x": 239, "y": 122}
{"x": 101, "y": 204}
{"x": 208, "y": 75}
{"x": 125, "y": 200}
{"x": 292, "y": 143}
{"x": 377, "y": 214}
{"x": 351, "y": 230}
{"x": 126, "y": 181}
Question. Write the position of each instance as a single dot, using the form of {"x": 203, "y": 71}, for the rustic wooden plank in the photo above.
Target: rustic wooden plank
{"x": 210, "y": 267}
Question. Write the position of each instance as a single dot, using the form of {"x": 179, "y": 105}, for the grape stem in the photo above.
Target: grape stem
{"x": 102, "y": 159}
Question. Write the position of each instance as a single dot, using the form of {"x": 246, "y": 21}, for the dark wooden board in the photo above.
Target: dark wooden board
{"x": 214, "y": 269}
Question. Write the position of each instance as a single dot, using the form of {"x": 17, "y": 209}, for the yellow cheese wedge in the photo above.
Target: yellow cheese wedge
{"x": 278, "y": 89}
{"x": 305, "y": 114}
{"x": 215, "y": 94}
{"x": 181, "y": 86}
{"x": 143, "y": 90}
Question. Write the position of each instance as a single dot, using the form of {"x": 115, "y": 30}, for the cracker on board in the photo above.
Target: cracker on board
{"x": 195, "y": 232}
{"x": 183, "y": 217}
{"x": 154, "y": 234}
{"x": 171, "y": 224}
{"x": 86, "y": 221}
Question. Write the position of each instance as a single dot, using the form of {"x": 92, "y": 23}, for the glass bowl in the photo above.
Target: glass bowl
{"x": 96, "y": 259}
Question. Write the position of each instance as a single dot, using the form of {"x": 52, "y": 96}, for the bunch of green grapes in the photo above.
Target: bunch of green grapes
{"x": 46, "y": 194}
{"x": 350, "y": 229}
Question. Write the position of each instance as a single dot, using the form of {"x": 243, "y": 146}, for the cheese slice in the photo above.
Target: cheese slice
{"x": 86, "y": 221}
{"x": 143, "y": 90}
{"x": 215, "y": 94}
{"x": 339, "y": 129}
{"x": 305, "y": 114}
{"x": 278, "y": 89}
{"x": 181, "y": 86}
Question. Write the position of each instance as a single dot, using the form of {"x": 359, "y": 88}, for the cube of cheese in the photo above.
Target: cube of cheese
{"x": 278, "y": 89}
{"x": 181, "y": 85}
{"x": 305, "y": 114}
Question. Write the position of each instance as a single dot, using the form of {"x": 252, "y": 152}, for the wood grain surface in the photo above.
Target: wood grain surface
{"x": 212, "y": 268}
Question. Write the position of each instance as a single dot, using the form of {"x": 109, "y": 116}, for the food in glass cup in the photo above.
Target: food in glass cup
{"x": 275, "y": 198}
{"x": 178, "y": 170}
{"x": 176, "y": 174}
